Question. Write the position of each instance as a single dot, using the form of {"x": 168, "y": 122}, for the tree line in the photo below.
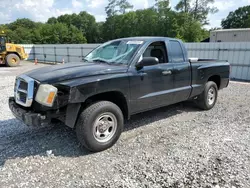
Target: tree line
{"x": 186, "y": 21}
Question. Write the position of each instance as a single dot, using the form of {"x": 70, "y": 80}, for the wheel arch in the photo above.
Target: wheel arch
{"x": 73, "y": 110}
{"x": 16, "y": 53}
{"x": 216, "y": 79}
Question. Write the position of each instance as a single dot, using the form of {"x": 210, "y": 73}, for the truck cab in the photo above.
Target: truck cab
{"x": 163, "y": 81}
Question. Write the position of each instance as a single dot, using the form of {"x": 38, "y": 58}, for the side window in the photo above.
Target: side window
{"x": 176, "y": 52}
{"x": 158, "y": 50}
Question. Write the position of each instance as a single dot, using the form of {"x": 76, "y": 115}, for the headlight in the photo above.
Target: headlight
{"x": 46, "y": 94}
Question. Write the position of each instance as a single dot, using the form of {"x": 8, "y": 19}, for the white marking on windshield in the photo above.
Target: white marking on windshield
{"x": 134, "y": 42}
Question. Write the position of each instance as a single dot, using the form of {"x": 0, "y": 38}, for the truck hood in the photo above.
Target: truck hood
{"x": 58, "y": 73}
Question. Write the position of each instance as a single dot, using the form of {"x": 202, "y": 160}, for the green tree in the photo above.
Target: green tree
{"x": 237, "y": 19}
{"x": 116, "y": 6}
{"x": 124, "y": 5}
{"x": 85, "y": 22}
{"x": 199, "y": 9}
{"x": 189, "y": 29}
{"x": 58, "y": 33}
{"x": 160, "y": 20}
{"x": 128, "y": 24}
{"x": 183, "y": 5}
{"x": 5, "y": 29}
{"x": 111, "y": 8}
{"x": 52, "y": 20}
{"x": 157, "y": 21}
{"x": 162, "y": 6}
{"x": 24, "y": 22}
{"x": 166, "y": 23}
{"x": 21, "y": 35}
{"x": 75, "y": 36}
{"x": 21, "y": 30}
{"x": 147, "y": 22}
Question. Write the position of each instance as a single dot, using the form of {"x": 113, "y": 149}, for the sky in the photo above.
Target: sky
{"x": 41, "y": 10}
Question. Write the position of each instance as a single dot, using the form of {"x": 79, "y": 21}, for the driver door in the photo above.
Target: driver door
{"x": 152, "y": 86}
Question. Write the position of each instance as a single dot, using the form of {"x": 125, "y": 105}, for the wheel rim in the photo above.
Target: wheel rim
{"x": 13, "y": 60}
{"x": 211, "y": 96}
{"x": 105, "y": 127}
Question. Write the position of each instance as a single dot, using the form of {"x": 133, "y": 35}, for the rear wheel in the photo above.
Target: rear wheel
{"x": 12, "y": 60}
{"x": 99, "y": 126}
{"x": 208, "y": 98}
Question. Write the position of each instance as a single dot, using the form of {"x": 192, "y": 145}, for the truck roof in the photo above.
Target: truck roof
{"x": 146, "y": 38}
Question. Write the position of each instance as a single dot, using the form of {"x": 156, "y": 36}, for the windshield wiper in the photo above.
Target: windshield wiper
{"x": 107, "y": 62}
{"x": 102, "y": 61}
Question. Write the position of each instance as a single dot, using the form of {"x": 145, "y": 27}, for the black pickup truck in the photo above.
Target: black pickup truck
{"x": 116, "y": 80}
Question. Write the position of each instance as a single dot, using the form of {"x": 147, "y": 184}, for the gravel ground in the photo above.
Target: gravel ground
{"x": 176, "y": 146}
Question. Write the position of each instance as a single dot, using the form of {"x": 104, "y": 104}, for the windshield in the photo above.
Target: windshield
{"x": 115, "y": 52}
{"x": 2, "y": 41}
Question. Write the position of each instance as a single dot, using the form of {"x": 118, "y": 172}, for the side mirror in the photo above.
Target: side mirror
{"x": 147, "y": 61}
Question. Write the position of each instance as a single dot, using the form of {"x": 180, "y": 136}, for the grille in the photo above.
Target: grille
{"x": 22, "y": 97}
{"x": 23, "y": 85}
{"x": 24, "y": 90}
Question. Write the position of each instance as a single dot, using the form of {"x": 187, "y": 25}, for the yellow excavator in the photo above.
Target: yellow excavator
{"x": 10, "y": 54}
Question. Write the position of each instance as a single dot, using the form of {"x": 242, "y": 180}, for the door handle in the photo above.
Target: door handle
{"x": 167, "y": 72}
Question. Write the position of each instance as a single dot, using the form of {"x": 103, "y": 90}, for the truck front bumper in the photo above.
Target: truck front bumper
{"x": 28, "y": 117}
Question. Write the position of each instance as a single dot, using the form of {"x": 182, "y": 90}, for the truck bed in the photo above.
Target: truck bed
{"x": 204, "y": 69}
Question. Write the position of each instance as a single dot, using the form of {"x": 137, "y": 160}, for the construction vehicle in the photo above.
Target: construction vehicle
{"x": 10, "y": 54}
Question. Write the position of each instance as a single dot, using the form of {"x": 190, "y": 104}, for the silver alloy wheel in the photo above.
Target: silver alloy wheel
{"x": 211, "y": 96}
{"x": 105, "y": 127}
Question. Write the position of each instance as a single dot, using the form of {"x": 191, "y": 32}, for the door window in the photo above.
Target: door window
{"x": 158, "y": 50}
{"x": 2, "y": 44}
{"x": 176, "y": 52}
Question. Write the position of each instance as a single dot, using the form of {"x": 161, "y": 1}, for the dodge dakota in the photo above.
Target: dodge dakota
{"x": 118, "y": 79}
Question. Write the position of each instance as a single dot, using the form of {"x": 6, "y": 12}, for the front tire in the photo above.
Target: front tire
{"x": 208, "y": 98}
{"x": 12, "y": 60}
{"x": 99, "y": 126}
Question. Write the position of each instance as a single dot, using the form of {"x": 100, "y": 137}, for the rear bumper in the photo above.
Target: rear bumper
{"x": 28, "y": 117}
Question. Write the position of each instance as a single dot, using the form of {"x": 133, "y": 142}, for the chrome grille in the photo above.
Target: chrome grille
{"x": 22, "y": 97}
{"x": 23, "y": 85}
{"x": 24, "y": 89}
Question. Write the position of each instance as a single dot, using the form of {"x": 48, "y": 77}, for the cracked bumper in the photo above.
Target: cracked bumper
{"x": 28, "y": 117}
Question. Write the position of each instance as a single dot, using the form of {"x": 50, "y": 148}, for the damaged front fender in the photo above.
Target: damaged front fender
{"x": 76, "y": 98}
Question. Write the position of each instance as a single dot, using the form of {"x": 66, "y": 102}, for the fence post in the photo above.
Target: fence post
{"x": 218, "y": 54}
{"x": 68, "y": 53}
{"x": 34, "y": 51}
{"x": 82, "y": 52}
{"x": 55, "y": 54}
{"x": 43, "y": 55}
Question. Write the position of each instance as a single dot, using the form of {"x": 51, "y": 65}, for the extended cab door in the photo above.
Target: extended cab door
{"x": 182, "y": 71}
{"x": 152, "y": 86}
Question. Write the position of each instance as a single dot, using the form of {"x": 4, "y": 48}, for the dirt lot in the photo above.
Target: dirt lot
{"x": 176, "y": 146}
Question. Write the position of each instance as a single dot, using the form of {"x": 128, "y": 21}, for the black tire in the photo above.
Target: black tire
{"x": 85, "y": 127}
{"x": 204, "y": 102}
{"x": 12, "y": 60}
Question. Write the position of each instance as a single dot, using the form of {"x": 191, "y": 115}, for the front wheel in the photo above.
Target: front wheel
{"x": 12, "y": 60}
{"x": 208, "y": 98}
{"x": 99, "y": 126}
